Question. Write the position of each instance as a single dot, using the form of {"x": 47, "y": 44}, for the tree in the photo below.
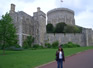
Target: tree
{"x": 55, "y": 44}
{"x": 60, "y": 27}
{"x": 80, "y": 29}
{"x": 8, "y": 35}
{"x": 69, "y": 29}
{"x": 76, "y": 29}
{"x": 49, "y": 28}
{"x": 28, "y": 42}
{"x": 72, "y": 29}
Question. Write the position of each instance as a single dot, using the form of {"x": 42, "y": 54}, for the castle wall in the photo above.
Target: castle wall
{"x": 88, "y": 36}
{"x": 65, "y": 38}
{"x": 83, "y": 39}
{"x": 24, "y": 25}
{"x": 36, "y": 26}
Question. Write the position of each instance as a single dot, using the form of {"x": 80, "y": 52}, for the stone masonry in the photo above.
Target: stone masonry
{"x": 27, "y": 25}
{"x": 61, "y": 15}
{"x": 35, "y": 26}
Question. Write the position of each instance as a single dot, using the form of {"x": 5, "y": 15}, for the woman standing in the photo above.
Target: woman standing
{"x": 60, "y": 57}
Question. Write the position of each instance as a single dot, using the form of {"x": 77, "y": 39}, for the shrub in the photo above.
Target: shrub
{"x": 48, "y": 45}
{"x": 72, "y": 29}
{"x": 28, "y": 42}
{"x": 70, "y": 45}
{"x": 14, "y": 48}
{"x": 60, "y": 27}
{"x": 17, "y": 46}
{"x": 0, "y": 48}
{"x": 49, "y": 28}
{"x": 37, "y": 46}
{"x": 41, "y": 47}
{"x": 25, "y": 45}
{"x": 55, "y": 44}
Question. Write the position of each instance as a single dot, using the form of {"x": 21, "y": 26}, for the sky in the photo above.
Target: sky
{"x": 82, "y": 8}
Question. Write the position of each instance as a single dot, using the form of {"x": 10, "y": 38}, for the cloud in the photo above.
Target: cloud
{"x": 83, "y": 9}
{"x": 76, "y": 5}
{"x": 27, "y": 1}
{"x": 45, "y": 6}
{"x": 85, "y": 19}
{"x": 3, "y": 7}
{"x": 28, "y": 6}
{"x": 20, "y": 4}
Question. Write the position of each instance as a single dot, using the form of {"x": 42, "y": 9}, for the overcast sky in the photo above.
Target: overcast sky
{"x": 82, "y": 8}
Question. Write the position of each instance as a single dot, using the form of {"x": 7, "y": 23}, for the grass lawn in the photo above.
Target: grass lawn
{"x": 33, "y": 58}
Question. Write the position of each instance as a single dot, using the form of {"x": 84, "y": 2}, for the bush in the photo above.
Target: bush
{"x": 49, "y": 28}
{"x": 70, "y": 45}
{"x": 48, "y": 45}
{"x": 14, "y": 48}
{"x": 25, "y": 45}
{"x": 17, "y": 46}
{"x": 0, "y": 48}
{"x": 41, "y": 47}
{"x": 55, "y": 44}
{"x": 37, "y": 46}
{"x": 28, "y": 42}
{"x": 60, "y": 27}
{"x": 72, "y": 29}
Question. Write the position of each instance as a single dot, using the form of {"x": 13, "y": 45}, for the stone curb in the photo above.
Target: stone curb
{"x": 66, "y": 57}
{"x": 45, "y": 64}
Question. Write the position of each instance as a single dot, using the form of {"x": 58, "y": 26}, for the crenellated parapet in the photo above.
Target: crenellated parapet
{"x": 60, "y": 9}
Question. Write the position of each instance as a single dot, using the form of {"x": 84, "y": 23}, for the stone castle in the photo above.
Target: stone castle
{"x": 35, "y": 26}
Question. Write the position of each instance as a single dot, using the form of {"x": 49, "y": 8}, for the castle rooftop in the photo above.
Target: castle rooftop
{"x": 60, "y": 9}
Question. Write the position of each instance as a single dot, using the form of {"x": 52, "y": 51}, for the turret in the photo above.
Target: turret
{"x": 12, "y": 8}
{"x": 38, "y": 9}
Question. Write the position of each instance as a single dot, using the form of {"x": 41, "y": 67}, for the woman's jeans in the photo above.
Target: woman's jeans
{"x": 60, "y": 63}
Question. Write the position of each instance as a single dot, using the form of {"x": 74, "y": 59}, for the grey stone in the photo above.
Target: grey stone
{"x": 35, "y": 26}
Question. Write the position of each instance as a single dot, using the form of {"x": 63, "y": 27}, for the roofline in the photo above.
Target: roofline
{"x": 60, "y": 9}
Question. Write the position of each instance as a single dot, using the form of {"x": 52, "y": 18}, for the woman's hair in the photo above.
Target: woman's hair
{"x": 60, "y": 47}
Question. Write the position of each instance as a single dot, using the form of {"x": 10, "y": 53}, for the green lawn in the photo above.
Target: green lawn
{"x": 33, "y": 58}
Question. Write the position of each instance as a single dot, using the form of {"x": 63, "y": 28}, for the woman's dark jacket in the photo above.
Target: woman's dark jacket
{"x": 57, "y": 55}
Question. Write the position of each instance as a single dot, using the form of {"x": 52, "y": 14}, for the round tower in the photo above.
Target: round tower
{"x": 61, "y": 15}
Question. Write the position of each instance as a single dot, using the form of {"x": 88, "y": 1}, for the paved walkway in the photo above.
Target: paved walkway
{"x": 80, "y": 60}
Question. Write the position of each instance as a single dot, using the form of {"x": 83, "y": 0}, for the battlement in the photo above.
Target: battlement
{"x": 39, "y": 13}
{"x": 60, "y": 9}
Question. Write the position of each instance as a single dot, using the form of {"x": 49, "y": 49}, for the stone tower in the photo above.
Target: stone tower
{"x": 12, "y": 8}
{"x": 24, "y": 24}
{"x": 40, "y": 17}
{"x": 61, "y": 15}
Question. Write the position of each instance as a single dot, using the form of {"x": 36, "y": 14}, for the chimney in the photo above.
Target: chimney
{"x": 38, "y": 9}
{"x": 12, "y": 8}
